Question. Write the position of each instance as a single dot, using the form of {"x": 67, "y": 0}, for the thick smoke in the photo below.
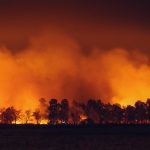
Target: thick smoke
{"x": 54, "y": 65}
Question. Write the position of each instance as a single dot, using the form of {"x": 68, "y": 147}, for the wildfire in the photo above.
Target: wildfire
{"x": 33, "y": 121}
{"x": 44, "y": 121}
{"x": 54, "y": 65}
{"x": 83, "y": 117}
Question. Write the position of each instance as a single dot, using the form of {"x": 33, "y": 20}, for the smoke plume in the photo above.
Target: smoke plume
{"x": 54, "y": 65}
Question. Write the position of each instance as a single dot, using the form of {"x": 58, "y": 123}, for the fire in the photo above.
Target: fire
{"x": 44, "y": 121}
{"x": 128, "y": 77}
{"x": 83, "y": 117}
{"x": 33, "y": 121}
{"x": 54, "y": 65}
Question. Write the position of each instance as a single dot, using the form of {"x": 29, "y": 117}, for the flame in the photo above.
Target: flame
{"x": 33, "y": 121}
{"x": 83, "y": 117}
{"x": 44, "y": 121}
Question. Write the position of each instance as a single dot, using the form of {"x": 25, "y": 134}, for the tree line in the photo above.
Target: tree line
{"x": 90, "y": 112}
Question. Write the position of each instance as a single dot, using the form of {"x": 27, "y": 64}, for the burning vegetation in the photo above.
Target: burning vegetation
{"x": 91, "y": 112}
{"x": 54, "y": 64}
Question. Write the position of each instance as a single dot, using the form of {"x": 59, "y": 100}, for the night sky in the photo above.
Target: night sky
{"x": 102, "y": 24}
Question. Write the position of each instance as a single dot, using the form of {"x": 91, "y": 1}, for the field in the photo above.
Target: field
{"x": 104, "y": 137}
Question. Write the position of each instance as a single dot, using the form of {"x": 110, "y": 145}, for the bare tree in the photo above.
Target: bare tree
{"x": 28, "y": 116}
{"x": 37, "y": 116}
{"x": 9, "y": 115}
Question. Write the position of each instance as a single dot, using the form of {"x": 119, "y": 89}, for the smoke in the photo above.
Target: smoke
{"x": 54, "y": 65}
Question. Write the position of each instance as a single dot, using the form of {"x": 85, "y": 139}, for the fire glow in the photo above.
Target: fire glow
{"x": 54, "y": 65}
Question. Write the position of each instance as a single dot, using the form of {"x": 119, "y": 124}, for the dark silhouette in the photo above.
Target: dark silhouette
{"x": 28, "y": 115}
{"x": 53, "y": 111}
{"x": 129, "y": 114}
{"x": 148, "y": 110}
{"x": 117, "y": 114}
{"x": 10, "y": 115}
{"x": 37, "y": 116}
{"x": 140, "y": 112}
{"x": 97, "y": 112}
{"x": 90, "y": 112}
{"x": 64, "y": 111}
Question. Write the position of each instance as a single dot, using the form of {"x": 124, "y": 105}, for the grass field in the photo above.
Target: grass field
{"x": 106, "y": 137}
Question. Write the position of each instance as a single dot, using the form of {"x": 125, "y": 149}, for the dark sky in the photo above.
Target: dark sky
{"x": 103, "y": 24}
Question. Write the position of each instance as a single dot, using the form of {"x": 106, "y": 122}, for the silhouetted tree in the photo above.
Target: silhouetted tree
{"x": 92, "y": 111}
{"x": 37, "y": 116}
{"x": 53, "y": 111}
{"x": 117, "y": 113}
{"x": 148, "y": 110}
{"x": 16, "y": 114}
{"x": 107, "y": 113}
{"x": 9, "y": 115}
{"x": 140, "y": 111}
{"x": 64, "y": 111}
{"x": 28, "y": 115}
{"x": 130, "y": 114}
{"x": 100, "y": 106}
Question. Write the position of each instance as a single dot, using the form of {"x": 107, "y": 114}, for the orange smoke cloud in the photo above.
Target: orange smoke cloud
{"x": 54, "y": 65}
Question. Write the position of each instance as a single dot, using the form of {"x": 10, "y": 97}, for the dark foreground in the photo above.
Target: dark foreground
{"x": 104, "y": 137}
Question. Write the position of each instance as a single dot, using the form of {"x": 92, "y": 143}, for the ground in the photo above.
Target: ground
{"x": 106, "y": 137}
